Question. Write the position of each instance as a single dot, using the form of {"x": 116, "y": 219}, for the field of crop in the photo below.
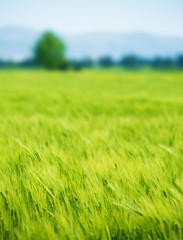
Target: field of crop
{"x": 96, "y": 154}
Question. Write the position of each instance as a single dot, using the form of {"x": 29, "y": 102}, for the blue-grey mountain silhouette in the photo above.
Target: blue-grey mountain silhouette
{"x": 17, "y": 43}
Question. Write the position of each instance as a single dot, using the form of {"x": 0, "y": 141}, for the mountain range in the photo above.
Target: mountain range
{"x": 17, "y": 43}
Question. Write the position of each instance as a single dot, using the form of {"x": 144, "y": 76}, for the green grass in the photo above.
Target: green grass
{"x": 96, "y": 154}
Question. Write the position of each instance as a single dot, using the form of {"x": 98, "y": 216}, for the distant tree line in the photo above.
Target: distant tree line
{"x": 128, "y": 62}
{"x": 135, "y": 62}
{"x": 49, "y": 53}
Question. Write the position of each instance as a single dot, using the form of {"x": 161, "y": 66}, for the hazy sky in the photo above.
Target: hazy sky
{"x": 163, "y": 17}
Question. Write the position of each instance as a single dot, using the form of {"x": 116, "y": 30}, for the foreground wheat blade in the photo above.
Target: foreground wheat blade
{"x": 95, "y": 154}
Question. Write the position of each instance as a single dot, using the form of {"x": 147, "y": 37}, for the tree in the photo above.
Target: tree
{"x": 49, "y": 51}
{"x": 159, "y": 62}
{"x": 179, "y": 61}
{"x": 131, "y": 61}
{"x": 75, "y": 64}
{"x": 106, "y": 61}
{"x": 27, "y": 63}
{"x": 78, "y": 64}
{"x": 87, "y": 62}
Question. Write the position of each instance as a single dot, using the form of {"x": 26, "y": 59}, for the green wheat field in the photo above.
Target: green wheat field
{"x": 94, "y": 154}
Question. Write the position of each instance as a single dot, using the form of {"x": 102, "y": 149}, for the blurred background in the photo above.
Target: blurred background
{"x": 104, "y": 33}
